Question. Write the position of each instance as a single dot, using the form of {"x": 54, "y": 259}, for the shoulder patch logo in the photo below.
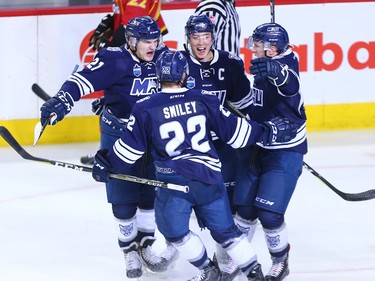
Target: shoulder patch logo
{"x": 190, "y": 82}
{"x": 137, "y": 70}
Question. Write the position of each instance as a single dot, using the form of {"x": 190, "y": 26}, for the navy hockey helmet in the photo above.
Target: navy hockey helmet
{"x": 200, "y": 23}
{"x": 142, "y": 28}
{"x": 171, "y": 66}
{"x": 271, "y": 34}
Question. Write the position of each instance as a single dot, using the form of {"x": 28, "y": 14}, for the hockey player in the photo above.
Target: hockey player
{"x": 110, "y": 32}
{"x": 268, "y": 173}
{"x": 218, "y": 72}
{"x": 176, "y": 123}
{"x": 126, "y": 74}
{"x": 223, "y": 74}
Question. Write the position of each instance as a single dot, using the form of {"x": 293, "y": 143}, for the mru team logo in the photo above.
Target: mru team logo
{"x": 144, "y": 87}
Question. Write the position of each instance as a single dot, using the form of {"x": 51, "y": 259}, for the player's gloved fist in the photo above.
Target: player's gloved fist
{"x": 278, "y": 130}
{"x": 58, "y": 106}
{"x": 97, "y": 106}
{"x": 265, "y": 67}
{"x": 101, "y": 168}
{"x": 102, "y": 33}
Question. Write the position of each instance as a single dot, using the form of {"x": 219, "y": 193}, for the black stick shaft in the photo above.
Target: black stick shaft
{"x": 40, "y": 92}
{"x": 362, "y": 196}
{"x": 7, "y": 136}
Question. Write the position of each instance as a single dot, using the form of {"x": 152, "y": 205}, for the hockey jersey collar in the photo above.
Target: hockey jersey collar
{"x": 214, "y": 59}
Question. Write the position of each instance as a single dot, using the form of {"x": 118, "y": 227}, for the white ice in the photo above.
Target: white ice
{"x": 55, "y": 223}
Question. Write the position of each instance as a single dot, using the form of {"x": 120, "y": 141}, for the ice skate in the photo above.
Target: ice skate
{"x": 170, "y": 255}
{"x": 133, "y": 262}
{"x": 230, "y": 271}
{"x": 221, "y": 255}
{"x": 255, "y": 273}
{"x": 149, "y": 258}
{"x": 210, "y": 273}
{"x": 279, "y": 269}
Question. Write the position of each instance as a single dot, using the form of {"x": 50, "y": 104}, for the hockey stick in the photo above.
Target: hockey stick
{"x": 362, "y": 196}
{"x": 272, "y": 10}
{"x": 7, "y": 136}
{"x": 39, "y": 128}
{"x": 40, "y": 92}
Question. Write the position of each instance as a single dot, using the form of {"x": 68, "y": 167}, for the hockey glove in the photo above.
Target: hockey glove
{"x": 278, "y": 130}
{"x": 102, "y": 33}
{"x": 265, "y": 67}
{"x": 59, "y": 105}
{"x": 97, "y": 106}
{"x": 102, "y": 167}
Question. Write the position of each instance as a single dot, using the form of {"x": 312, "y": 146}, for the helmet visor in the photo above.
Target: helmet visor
{"x": 250, "y": 43}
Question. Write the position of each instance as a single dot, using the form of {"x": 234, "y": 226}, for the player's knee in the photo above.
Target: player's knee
{"x": 270, "y": 220}
{"x": 124, "y": 211}
{"x": 147, "y": 205}
{"x": 247, "y": 227}
{"x": 223, "y": 235}
{"x": 247, "y": 212}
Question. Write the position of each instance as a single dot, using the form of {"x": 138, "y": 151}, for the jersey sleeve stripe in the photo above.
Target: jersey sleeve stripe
{"x": 241, "y": 134}
{"x": 85, "y": 87}
{"x": 126, "y": 153}
{"x": 244, "y": 102}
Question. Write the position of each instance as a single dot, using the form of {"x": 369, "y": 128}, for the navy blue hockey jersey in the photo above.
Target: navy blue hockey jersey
{"x": 224, "y": 76}
{"x": 123, "y": 77}
{"x": 177, "y": 124}
{"x": 287, "y": 101}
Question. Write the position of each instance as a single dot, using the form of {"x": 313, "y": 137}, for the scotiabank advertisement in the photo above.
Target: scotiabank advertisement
{"x": 335, "y": 43}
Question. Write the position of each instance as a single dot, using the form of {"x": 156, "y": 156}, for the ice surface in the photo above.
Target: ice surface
{"x": 57, "y": 226}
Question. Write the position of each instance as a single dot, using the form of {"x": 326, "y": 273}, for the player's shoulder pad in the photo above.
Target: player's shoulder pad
{"x": 111, "y": 49}
{"x": 111, "y": 52}
{"x": 229, "y": 55}
{"x": 114, "y": 49}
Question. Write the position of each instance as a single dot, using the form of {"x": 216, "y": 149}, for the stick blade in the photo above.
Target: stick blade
{"x": 362, "y": 196}
{"x": 37, "y": 132}
{"x": 7, "y": 136}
